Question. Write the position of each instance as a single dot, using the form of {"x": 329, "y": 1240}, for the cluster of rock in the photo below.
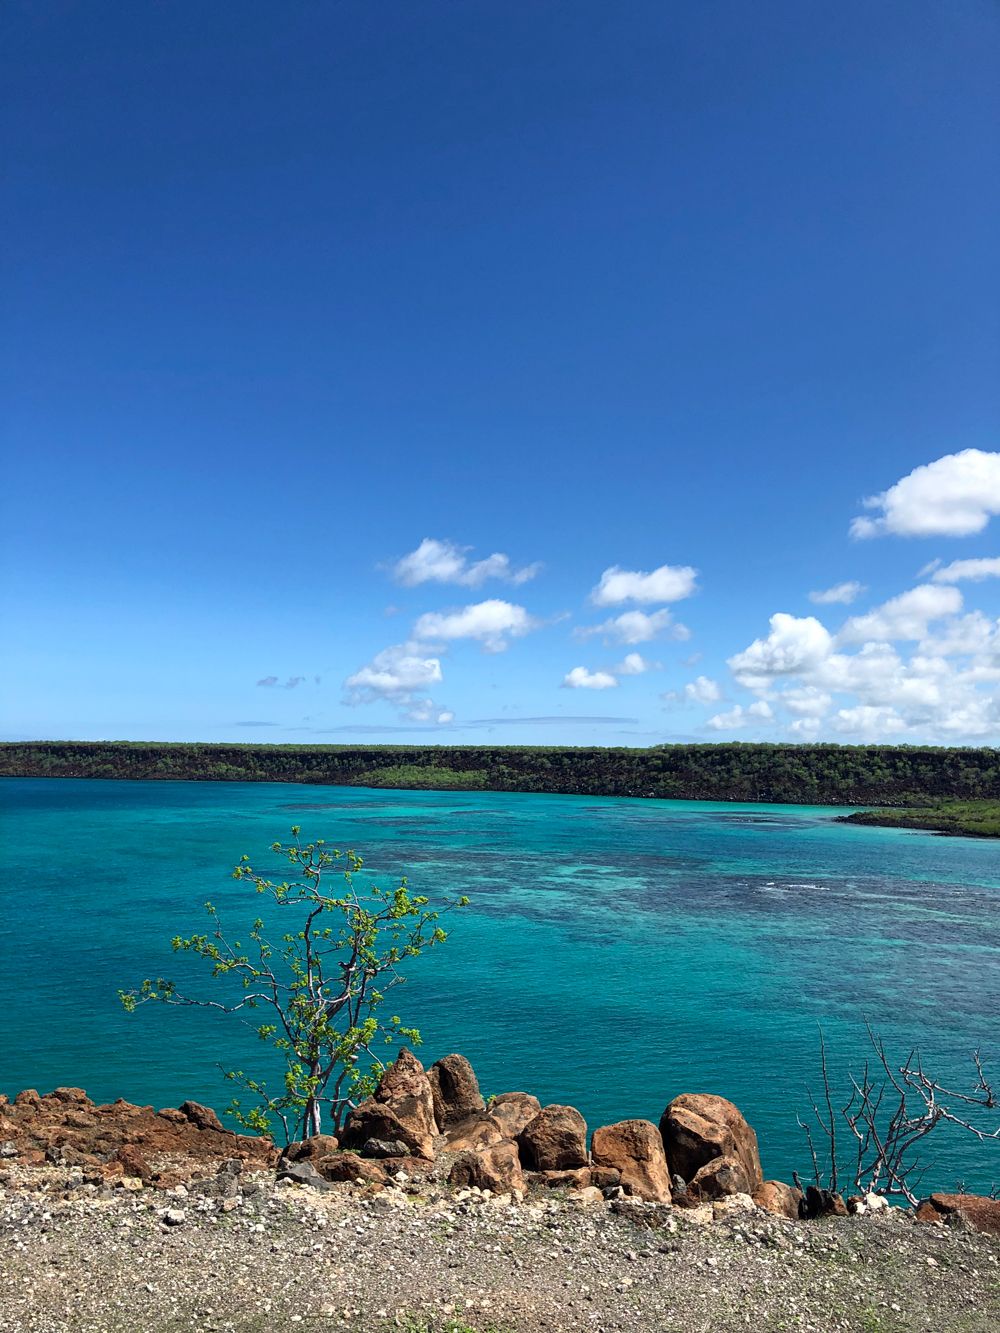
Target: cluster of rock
{"x": 436, "y": 1120}
{"x": 120, "y": 1141}
{"x": 434, "y": 1124}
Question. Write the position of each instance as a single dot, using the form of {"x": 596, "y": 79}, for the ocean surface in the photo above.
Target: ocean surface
{"x": 616, "y": 953}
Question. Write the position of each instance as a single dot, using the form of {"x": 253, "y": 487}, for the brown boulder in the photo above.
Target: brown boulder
{"x": 305, "y": 1150}
{"x": 348, "y": 1166}
{"x": 71, "y": 1095}
{"x": 473, "y": 1134}
{"x": 556, "y": 1140}
{"x": 497, "y": 1168}
{"x": 635, "y": 1149}
{"x": 774, "y": 1196}
{"x": 718, "y": 1178}
{"x": 823, "y": 1203}
{"x": 201, "y": 1116}
{"x": 975, "y": 1211}
{"x": 454, "y": 1089}
{"x": 513, "y": 1111}
{"x": 402, "y": 1110}
{"x": 373, "y": 1120}
{"x": 698, "y": 1127}
{"x": 573, "y": 1180}
{"x": 132, "y": 1163}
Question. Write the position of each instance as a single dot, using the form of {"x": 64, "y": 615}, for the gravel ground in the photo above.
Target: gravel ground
{"x": 254, "y": 1256}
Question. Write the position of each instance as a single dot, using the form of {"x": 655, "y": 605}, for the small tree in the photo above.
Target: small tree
{"x": 324, "y": 983}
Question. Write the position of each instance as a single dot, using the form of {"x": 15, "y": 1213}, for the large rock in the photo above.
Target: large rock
{"x": 401, "y": 1109}
{"x": 719, "y": 1178}
{"x": 556, "y": 1140}
{"x": 455, "y": 1090}
{"x": 774, "y": 1196}
{"x": 373, "y": 1120}
{"x": 699, "y": 1127}
{"x": 635, "y": 1149}
{"x": 474, "y": 1133}
{"x": 497, "y": 1168}
{"x": 975, "y": 1211}
{"x": 306, "y": 1150}
{"x": 348, "y": 1166}
{"x": 513, "y": 1111}
{"x": 823, "y": 1203}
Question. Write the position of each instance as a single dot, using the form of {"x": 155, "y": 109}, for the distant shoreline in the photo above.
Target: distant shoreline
{"x": 955, "y": 791}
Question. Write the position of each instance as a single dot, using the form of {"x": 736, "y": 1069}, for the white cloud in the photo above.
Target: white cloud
{"x": 739, "y": 717}
{"x": 398, "y": 673}
{"x": 952, "y": 497}
{"x": 844, "y": 593}
{"x": 807, "y": 702}
{"x": 703, "y": 690}
{"x": 493, "y": 622}
{"x": 636, "y": 627}
{"x": 795, "y": 644}
{"x": 634, "y": 664}
{"x": 946, "y": 689}
{"x": 869, "y": 724}
{"x": 970, "y": 635}
{"x": 669, "y": 583}
{"x": 443, "y": 562}
{"x": 582, "y": 679}
{"x": 973, "y": 570}
{"x": 904, "y": 617}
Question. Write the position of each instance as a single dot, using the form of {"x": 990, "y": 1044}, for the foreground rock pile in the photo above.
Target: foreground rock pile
{"x": 436, "y": 1212}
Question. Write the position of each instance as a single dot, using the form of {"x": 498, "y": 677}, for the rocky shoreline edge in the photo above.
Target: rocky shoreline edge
{"x": 434, "y": 1210}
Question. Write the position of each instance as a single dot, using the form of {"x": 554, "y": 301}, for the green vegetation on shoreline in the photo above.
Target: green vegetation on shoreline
{"x": 914, "y": 777}
{"x": 974, "y": 819}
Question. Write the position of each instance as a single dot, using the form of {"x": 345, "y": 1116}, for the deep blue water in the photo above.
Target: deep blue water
{"x": 617, "y": 952}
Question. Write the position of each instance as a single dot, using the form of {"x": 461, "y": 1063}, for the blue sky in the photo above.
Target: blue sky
{"x": 294, "y": 290}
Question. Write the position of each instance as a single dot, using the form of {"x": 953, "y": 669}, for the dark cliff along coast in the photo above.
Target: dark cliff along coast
{"x": 434, "y": 1210}
{"x": 887, "y": 776}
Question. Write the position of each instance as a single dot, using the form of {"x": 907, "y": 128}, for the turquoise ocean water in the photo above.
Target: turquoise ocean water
{"x": 617, "y": 952}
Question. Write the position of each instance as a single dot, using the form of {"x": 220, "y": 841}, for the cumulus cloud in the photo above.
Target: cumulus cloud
{"x": 669, "y": 583}
{"x": 795, "y": 644}
{"x": 634, "y": 664}
{"x": 844, "y": 593}
{"x": 401, "y": 674}
{"x": 946, "y": 688}
{"x": 868, "y": 723}
{"x": 954, "y": 496}
{"x": 269, "y": 682}
{"x": 904, "y": 617}
{"x": 636, "y": 627}
{"x": 492, "y": 622}
{"x": 443, "y": 562}
{"x": 807, "y": 702}
{"x": 582, "y": 679}
{"x": 703, "y": 690}
{"x": 739, "y": 717}
{"x": 972, "y": 570}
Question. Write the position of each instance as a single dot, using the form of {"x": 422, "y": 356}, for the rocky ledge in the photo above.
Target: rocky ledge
{"x": 434, "y": 1210}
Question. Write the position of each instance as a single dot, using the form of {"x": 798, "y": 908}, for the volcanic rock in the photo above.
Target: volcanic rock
{"x": 774, "y": 1196}
{"x": 697, "y": 1128}
{"x": 513, "y": 1111}
{"x": 976, "y": 1211}
{"x": 556, "y": 1140}
{"x": 634, "y": 1148}
{"x": 455, "y": 1090}
{"x": 496, "y": 1168}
